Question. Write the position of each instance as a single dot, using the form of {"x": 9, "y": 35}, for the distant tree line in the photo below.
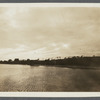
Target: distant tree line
{"x": 71, "y": 61}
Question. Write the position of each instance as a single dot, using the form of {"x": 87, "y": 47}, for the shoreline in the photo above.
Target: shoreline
{"x": 73, "y": 62}
{"x": 60, "y": 66}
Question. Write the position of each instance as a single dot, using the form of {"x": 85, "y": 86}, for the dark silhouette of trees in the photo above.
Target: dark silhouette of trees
{"x": 16, "y": 60}
{"x": 9, "y": 61}
{"x": 70, "y": 61}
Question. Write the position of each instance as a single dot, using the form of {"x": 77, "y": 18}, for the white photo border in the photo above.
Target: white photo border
{"x": 50, "y": 94}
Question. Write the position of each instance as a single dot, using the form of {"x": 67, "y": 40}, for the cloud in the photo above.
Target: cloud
{"x": 46, "y": 32}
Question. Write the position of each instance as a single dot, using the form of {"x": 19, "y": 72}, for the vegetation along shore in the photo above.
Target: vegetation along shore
{"x": 84, "y": 62}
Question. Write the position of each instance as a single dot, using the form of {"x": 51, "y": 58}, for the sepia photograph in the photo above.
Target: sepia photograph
{"x": 49, "y": 49}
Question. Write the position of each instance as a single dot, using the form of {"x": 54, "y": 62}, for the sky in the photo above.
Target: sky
{"x": 49, "y": 32}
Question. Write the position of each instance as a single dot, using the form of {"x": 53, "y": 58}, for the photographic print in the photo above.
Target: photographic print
{"x": 49, "y": 49}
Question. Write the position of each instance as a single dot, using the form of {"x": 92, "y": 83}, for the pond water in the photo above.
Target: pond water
{"x": 26, "y": 78}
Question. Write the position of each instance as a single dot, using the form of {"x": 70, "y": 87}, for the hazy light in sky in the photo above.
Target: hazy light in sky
{"x": 65, "y": 45}
{"x": 38, "y": 32}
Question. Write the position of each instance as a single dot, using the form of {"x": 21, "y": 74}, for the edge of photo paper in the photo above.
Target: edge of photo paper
{"x": 49, "y": 94}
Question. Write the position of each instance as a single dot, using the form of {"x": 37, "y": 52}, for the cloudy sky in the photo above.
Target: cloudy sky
{"x": 46, "y": 32}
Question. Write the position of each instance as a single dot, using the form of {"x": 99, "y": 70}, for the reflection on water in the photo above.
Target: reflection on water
{"x": 42, "y": 78}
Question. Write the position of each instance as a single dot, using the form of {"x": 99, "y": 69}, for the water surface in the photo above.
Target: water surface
{"x": 42, "y": 78}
